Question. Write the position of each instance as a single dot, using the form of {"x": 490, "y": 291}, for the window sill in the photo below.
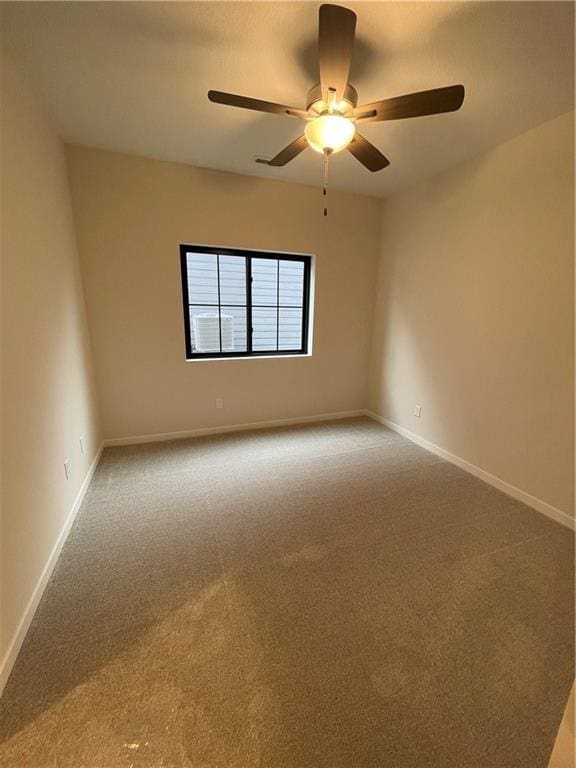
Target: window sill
{"x": 246, "y": 358}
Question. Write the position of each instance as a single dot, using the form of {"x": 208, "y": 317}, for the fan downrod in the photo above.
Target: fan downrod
{"x": 315, "y": 101}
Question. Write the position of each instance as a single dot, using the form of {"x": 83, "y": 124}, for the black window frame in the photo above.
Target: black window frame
{"x": 248, "y": 255}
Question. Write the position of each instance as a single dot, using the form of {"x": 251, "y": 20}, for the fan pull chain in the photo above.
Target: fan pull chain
{"x": 325, "y": 188}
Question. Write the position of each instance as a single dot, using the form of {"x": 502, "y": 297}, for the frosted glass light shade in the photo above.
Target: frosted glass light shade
{"x": 329, "y": 132}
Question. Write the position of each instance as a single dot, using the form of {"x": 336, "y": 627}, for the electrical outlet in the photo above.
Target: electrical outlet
{"x": 67, "y": 469}
{"x": 417, "y": 410}
{"x": 81, "y": 443}
{"x": 219, "y": 403}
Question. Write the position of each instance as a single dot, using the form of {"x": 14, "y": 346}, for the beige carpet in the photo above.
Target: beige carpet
{"x": 323, "y": 596}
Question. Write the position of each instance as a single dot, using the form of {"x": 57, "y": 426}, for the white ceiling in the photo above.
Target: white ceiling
{"x": 133, "y": 77}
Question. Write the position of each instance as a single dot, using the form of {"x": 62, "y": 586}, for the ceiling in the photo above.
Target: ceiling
{"x": 133, "y": 77}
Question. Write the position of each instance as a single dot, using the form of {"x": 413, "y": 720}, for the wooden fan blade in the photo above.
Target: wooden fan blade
{"x": 335, "y": 46}
{"x": 367, "y": 154}
{"x": 415, "y": 104}
{"x": 244, "y": 102}
{"x": 289, "y": 152}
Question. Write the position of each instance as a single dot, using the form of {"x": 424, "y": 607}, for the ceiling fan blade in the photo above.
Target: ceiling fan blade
{"x": 288, "y": 153}
{"x": 233, "y": 100}
{"x": 335, "y": 45}
{"x": 367, "y": 153}
{"x": 415, "y": 104}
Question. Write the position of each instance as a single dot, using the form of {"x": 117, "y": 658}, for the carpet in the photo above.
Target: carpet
{"x": 320, "y": 596}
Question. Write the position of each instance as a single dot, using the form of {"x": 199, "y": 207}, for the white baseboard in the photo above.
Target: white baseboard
{"x": 162, "y": 436}
{"x": 497, "y": 482}
{"x": 16, "y": 643}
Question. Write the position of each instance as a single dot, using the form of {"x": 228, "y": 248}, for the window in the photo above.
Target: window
{"x": 244, "y": 303}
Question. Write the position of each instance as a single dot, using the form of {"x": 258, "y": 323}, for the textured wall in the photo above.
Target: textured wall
{"x": 47, "y": 399}
{"x": 131, "y": 216}
{"x": 475, "y": 311}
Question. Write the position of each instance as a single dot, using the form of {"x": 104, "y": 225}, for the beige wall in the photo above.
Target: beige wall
{"x": 46, "y": 400}
{"x": 475, "y": 311}
{"x": 131, "y": 216}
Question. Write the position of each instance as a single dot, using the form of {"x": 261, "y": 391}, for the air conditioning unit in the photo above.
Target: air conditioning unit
{"x": 207, "y": 332}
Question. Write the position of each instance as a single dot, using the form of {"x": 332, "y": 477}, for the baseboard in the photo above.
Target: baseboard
{"x": 16, "y": 643}
{"x": 163, "y": 436}
{"x": 497, "y": 482}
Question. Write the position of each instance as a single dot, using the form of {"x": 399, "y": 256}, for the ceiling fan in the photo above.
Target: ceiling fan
{"x": 331, "y": 110}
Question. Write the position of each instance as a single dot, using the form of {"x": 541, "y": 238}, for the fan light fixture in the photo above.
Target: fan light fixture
{"x": 331, "y": 110}
{"x": 329, "y": 133}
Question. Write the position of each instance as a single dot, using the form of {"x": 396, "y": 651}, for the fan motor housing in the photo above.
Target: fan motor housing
{"x": 314, "y": 99}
